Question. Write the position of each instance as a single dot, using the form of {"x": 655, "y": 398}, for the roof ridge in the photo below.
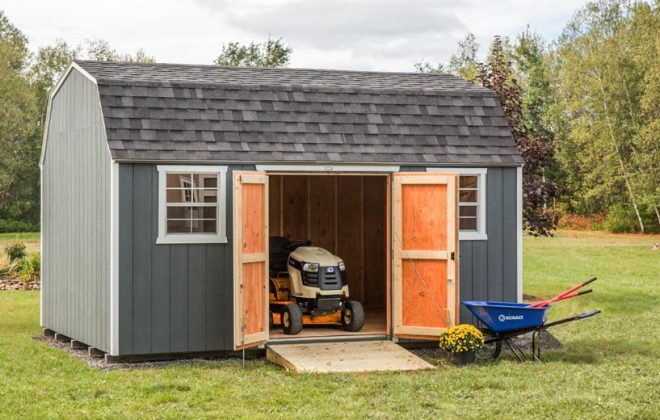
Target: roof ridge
{"x": 325, "y": 70}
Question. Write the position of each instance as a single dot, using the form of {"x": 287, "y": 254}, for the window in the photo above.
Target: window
{"x": 471, "y": 202}
{"x": 191, "y": 204}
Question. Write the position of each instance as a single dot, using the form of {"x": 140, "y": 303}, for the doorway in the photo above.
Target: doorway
{"x": 348, "y": 215}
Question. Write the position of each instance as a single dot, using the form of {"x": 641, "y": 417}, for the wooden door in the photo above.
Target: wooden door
{"x": 425, "y": 252}
{"x": 250, "y": 259}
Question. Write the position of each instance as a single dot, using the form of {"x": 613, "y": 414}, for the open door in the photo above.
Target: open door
{"x": 425, "y": 251}
{"x": 250, "y": 259}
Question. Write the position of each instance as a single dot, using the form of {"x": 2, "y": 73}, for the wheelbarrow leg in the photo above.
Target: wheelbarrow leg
{"x": 515, "y": 350}
{"x": 536, "y": 345}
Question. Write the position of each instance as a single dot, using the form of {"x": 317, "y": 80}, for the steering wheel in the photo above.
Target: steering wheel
{"x": 298, "y": 243}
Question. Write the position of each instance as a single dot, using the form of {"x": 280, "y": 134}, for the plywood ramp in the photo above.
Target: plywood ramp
{"x": 348, "y": 356}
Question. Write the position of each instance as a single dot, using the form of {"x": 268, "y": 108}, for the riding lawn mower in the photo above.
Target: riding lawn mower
{"x": 308, "y": 285}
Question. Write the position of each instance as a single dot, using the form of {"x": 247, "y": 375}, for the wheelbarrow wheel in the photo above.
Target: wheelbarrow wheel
{"x": 489, "y": 351}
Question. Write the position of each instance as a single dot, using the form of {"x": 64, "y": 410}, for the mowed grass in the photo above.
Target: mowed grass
{"x": 610, "y": 367}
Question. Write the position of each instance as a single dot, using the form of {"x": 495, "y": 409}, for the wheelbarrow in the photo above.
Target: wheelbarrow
{"x": 502, "y": 321}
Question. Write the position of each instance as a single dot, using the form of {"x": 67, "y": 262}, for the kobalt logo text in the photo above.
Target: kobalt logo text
{"x": 503, "y": 317}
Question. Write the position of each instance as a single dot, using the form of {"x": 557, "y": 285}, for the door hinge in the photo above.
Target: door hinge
{"x": 452, "y": 256}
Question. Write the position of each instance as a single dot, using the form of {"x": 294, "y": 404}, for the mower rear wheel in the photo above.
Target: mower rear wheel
{"x": 291, "y": 319}
{"x": 352, "y": 316}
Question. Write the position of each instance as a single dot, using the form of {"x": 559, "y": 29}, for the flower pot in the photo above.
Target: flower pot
{"x": 463, "y": 358}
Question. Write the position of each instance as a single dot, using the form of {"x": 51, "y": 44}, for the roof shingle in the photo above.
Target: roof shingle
{"x": 158, "y": 112}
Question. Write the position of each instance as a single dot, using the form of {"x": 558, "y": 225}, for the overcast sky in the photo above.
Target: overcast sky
{"x": 346, "y": 34}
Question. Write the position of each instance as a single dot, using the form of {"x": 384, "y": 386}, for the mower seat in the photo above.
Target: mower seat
{"x": 279, "y": 254}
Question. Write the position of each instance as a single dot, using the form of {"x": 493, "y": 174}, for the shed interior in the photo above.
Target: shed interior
{"x": 347, "y": 215}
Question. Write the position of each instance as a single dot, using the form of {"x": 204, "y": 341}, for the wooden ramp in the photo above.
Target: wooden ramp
{"x": 345, "y": 356}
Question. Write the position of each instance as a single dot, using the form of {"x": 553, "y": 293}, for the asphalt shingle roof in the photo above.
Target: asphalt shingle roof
{"x": 169, "y": 112}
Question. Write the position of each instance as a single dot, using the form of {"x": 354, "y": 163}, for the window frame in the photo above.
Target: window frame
{"x": 481, "y": 173}
{"x": 220, "y": 236}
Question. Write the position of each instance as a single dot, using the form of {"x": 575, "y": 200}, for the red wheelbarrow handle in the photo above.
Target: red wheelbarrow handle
{"x": 563, "y": 295}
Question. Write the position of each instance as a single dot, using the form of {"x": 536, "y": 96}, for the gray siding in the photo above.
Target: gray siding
{"x": 172, "y": 298}
{"x": 76, "y": 189}
{"x": 179, "y": 298}
{"x": 488, "y": 268}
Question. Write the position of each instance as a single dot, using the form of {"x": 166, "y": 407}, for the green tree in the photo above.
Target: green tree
{"x": 497, "y": 73}
{"x": 272, "y": 53}
{"x": 19, "y": 141}
{"x": 463, "y": 63}
{"x": 529, "y": 57}
{"x": 605, "y": 116}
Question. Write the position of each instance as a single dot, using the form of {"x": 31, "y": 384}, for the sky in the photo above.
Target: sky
{"x": 382, "y": 35}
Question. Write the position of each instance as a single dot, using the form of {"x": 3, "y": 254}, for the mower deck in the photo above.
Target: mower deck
{"x": 330, "y": 319}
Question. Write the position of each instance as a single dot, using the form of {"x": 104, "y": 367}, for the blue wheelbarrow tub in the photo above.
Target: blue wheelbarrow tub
{"x": 501, "y": 317}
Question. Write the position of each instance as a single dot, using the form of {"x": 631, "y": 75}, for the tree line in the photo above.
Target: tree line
{"x": 583, "y": 110}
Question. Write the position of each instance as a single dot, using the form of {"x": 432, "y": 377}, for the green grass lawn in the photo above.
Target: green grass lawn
{"x": 610, "y": 367}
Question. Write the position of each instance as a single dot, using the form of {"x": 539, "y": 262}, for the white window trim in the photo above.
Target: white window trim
{"x": 480, "y": 233}
{"x": 192, "y": 238}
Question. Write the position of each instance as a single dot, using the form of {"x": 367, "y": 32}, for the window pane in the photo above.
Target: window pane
{"x": 178, "y": 212}
{"x": 206, "y": 196}
{"x": 181, "y": 196}
{"x": 469, "y": 223}
{"x": 178, "y": 226}
{"x": 468, "y": 196}
{"x": 468, "y": 211}
{"x": 209, "y": 182}
{"x": 179, "y": 181}
{"x": 468, "y": 181}
{"x": 203, "y": 226}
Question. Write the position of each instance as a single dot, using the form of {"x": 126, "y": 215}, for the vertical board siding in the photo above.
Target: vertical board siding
{"x": 173, "y": 298}
{"x": 488, "y": 267}
{"x": 76, "y": 175}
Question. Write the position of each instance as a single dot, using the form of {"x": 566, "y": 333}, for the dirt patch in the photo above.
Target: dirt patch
{"x": 100, "y": 363}
{"x": 12, "y": 283}
{"x": 436, "y": 356}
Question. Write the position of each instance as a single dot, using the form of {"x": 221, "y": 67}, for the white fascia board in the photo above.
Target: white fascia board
{"x": 519, "y": 234}
{"x": 52, "y": 94}
{"x": 329, "y": 167}
{"x": 114, "y": 259}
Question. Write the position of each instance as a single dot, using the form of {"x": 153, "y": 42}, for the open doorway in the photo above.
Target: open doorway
{"x": 348, "y": 215}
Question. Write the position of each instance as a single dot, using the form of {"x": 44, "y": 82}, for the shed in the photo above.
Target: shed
{"x": 162, "y": 183}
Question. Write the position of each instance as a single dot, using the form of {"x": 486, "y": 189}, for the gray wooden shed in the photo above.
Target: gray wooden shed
{"x": 156, "y": 177}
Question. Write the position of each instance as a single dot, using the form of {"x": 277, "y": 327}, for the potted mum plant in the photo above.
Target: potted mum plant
{"x": 462, "y": 341}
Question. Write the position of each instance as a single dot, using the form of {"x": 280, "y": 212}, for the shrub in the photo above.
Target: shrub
{"x": 579, "y": 222}
{"x": 28, "y": 269}
{"x": 622, "y": 218}
{"x": 15, "y": 251}
{"x": 9, "y": 226}
{"x": 461, "y": 338}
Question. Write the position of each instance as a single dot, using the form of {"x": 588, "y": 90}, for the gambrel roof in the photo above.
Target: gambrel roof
{"x": 171, "y": 112}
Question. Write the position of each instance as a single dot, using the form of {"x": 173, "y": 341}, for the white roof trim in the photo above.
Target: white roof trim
{"x": 329, "y": 167}
{"x": 51, "y": 95}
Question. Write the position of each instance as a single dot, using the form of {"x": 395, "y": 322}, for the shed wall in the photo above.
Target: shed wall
{"x": 76, "y": 195}
{"x": 172, "y": 298}
{"x": 179, "y": 298}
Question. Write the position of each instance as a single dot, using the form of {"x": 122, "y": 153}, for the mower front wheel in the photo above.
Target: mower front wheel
{"x": 291, "y": 319}
{"x": 352, "y": 316}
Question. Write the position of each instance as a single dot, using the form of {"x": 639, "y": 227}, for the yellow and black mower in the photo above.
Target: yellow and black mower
{"x": 308, "y": 285}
